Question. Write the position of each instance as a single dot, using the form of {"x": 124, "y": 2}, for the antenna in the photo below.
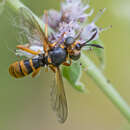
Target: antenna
{"x": 94, "y": 45}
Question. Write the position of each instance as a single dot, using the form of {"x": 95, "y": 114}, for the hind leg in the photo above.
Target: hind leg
{"x": 35, "y": 72}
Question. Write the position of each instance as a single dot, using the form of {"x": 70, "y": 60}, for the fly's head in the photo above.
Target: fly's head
{"x": 74, "y": 47}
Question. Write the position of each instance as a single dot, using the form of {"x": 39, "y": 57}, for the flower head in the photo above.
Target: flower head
{"x": 74, "y": 10}
{"x": 69, "y": 20}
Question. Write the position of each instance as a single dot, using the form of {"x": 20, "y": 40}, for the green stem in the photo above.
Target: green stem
{"x": 105, "y": 86}
{"x": 92, "y": 71}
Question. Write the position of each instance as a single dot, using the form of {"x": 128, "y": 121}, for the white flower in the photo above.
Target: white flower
{"x": 69, "y": 20}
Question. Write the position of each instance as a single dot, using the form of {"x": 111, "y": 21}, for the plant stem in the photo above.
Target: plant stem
{"x": 92, "y": 71}
{"x": 105, "y": 86}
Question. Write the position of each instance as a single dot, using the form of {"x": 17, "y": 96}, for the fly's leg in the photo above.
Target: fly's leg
{"x": 57, "y": 42}
{"x": 45, "y": 42}
{"x": 46, "y": 23}
{"x": 35, "y": 72}
{"x": 68, "y": 64}
{"x": 53, "y": 68}
{"x": 28, "y": 50}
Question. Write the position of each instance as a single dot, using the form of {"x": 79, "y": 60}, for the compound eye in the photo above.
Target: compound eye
{"x": 69, "y": 41}
{"x": 78, "y": 46}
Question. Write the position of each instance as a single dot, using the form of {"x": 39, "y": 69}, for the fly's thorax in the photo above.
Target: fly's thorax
{"x": 57, "y": 56}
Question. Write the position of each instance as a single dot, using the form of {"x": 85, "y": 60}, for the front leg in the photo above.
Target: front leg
{"x": 53, "y": 68}
{"x": 68, "y": 64}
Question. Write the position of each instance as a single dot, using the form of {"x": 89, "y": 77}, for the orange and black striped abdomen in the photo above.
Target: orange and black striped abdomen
{"x": 23, "y": 67}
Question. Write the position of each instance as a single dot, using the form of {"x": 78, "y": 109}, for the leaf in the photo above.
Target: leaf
{"x": 72, "y": 74}
{"x": 99, "y": 52}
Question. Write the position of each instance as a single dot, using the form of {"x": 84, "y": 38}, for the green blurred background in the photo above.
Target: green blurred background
{"x": 25, "y": 104}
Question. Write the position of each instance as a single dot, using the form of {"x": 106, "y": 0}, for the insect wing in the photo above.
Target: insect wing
{"x": 30, "y": 26}
{"x": 58, "y": 98}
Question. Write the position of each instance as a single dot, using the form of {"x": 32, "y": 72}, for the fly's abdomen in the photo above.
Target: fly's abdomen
{"x": 23, "y": 67}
